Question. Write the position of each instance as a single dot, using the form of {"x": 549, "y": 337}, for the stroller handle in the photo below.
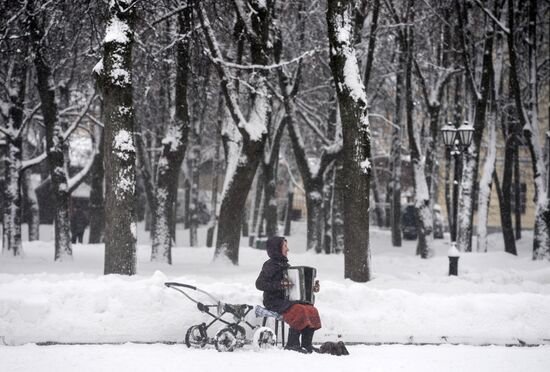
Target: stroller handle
{"x": 175, "y": 284}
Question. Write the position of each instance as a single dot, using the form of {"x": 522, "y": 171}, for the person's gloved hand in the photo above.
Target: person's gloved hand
{"x": 285, "y": 283}
{"x": 316, "y": 286}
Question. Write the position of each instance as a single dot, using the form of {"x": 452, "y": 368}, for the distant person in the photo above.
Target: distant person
{"x": 79, "y": 222}
{"x": 303, "y": 319}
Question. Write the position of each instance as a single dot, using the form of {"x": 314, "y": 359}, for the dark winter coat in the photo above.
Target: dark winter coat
{"x": 271, "y": 276}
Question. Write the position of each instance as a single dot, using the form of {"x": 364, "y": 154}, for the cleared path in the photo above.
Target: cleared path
{"x": 161, "y": 357}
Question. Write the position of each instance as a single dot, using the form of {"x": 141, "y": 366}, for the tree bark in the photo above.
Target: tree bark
{"x": 541, "y": 240}
{"x": 421, "y": 188}
{"x": 395, "y": 154}
{"x": 120, "y": 152}
{"x": 485, "y": 185}
{"x": 12, "y": 244}
{"x": 55, "y": 144}
{"x": 356, "y": 136}
{"x": 32, "y": 204}
{"x": 97, "y": 200}
{"x": 174, "y": 144}
{"x": 216, "y": 171}
{"x": 242, "y": 163}
{"x": 517, "y": 193}
{"x": 471, "y": 156}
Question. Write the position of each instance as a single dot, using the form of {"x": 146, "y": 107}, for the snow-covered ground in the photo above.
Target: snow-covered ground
{"x": 385, "y": 358}
{"x": 496, "y": 299}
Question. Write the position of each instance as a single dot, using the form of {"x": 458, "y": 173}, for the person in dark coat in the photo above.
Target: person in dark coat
{"x": 303, "y": 319}
{"x": 79, "y": 222}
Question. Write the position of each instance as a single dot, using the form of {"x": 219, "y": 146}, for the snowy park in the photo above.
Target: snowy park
{"x": 267, "y": 185}
{"x": 411, "y": 316}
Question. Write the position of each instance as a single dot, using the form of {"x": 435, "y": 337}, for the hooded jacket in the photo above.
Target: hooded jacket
{"x": 269, "y": 280}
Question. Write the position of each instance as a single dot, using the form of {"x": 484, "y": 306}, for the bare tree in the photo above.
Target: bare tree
{"x": 249, "y": 132}
{"x": 356, "y": 136}
{"x": 115, "y": 79}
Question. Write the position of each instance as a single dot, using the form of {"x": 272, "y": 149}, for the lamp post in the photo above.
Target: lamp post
{"x": 457, "y": 141}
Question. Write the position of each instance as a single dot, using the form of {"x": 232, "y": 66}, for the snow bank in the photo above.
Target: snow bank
{"x": 497, "y": 298}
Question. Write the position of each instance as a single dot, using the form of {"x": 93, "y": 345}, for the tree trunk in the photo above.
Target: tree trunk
{"x": 243, "y": 163}
{"x": 289, "y": 209}
{"x": 541, "y": 240}
{"x": 55, "y": 144}
{"x": 338, "y": 208}
{"x": 233, "y": 202}
{"x": 378, "y": 208}
{"x": 471, "y": 156}
{"x": 32, "y": 204}
{"x": 395, "y": 155}
{"x": 356, "y": 136}
{"x": 216, "y": 171}
{"x": 12, "y": 212}
{"x": 270, "y": 199}
{"x": 16, "y": 87}
{"x": 314, "y": 204}
{"x": 517, "y": 193}
{"x": 120, "y": 152}
{"x": 328, "y": 194}
{"x": 195, "y": 179}
{"x": 174, "y": 144}
{"x": 200, "y": 103}
{"x": 97, "y": 201}
{"x": 485, "y": 185}
{"x": 257, "y": 208}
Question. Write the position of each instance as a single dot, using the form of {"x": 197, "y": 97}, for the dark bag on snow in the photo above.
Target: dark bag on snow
{"x": 334, "y": 348}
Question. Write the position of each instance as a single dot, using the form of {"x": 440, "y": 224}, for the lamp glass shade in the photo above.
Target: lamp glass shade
{"x": 466, "y": 133}
{"x": 449, "y": 135}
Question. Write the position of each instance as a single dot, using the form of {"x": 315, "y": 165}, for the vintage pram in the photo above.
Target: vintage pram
{"x": 232, "y": 336}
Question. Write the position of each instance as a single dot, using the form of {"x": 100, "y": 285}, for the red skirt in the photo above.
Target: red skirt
{"x": 300, "y": 316}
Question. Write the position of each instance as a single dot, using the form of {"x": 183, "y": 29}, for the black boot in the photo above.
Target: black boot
{"x": 307, "y": 339}
{"x": 293, "y": 342}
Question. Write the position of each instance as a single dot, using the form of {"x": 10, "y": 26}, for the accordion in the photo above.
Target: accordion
{"x": 302, "y": 279}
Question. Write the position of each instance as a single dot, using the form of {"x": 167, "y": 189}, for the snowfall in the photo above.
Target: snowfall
{"x": 412, "y": 316}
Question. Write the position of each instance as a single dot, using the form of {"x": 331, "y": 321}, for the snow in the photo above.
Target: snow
{"x": 453, "y": 251}
{"x": 120, "y": 75}
{"x": 117, "y": 31}
{"x": 385, "y": 358}
{"x": 496, "y": 298}
{"x": 255, "y": 126}
{"x": 123, "y": 144}
{"x": 98, "y": 68}
{"x": 80, "y": 150}
{"x": 352, "y": 79}
{"x": 232, "y": 156}
{"x": 172, "y": 138}
{"x": 365, "y": 166}
{"x": 409, "y": 299}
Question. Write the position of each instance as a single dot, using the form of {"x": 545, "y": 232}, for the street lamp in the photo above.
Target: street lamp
{"x": 457, "y": 140}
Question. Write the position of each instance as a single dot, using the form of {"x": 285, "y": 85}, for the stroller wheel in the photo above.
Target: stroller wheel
{"x": 264, "y": 338}
{"x": 239, "y": 332}
{"x": 195, "y": 337}
{"x": 225, "y": 340}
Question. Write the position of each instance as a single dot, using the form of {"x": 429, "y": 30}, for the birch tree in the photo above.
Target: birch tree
{"x": 479, "y": 90}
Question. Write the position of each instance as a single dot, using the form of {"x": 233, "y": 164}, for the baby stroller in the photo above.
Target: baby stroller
{"x": 228, "y": 338}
